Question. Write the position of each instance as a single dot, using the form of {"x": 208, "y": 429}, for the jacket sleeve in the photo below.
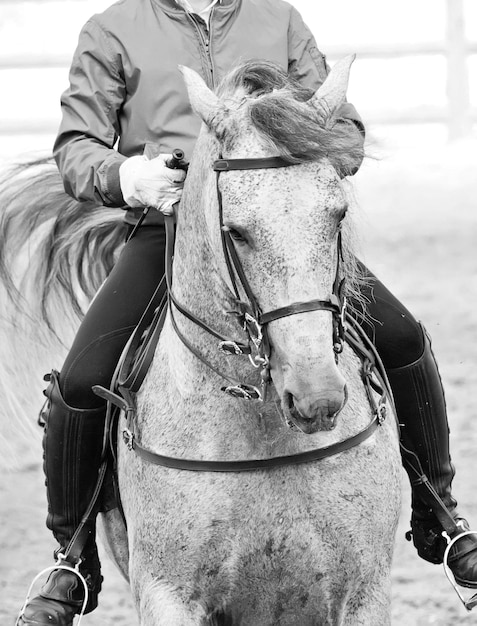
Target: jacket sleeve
{"x": 308, "y": 65}
{"x": 83, "y": 149}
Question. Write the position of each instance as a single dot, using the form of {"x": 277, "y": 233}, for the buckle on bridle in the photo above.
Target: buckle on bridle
{"x": 230, "y": 347}
{"x": 381, "y": 412}
{"x": 128, "y": 438}
{"x": 254, "y": 329}
{"x": 338, "y": 345}
{"x": 339, "y": 322}
{"x": 259, "y": 360}
{"x": 243, "y": 391}
{"x": 342, "y": 316}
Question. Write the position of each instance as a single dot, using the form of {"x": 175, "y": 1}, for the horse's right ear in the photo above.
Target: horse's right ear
{"x": 204, "y": 101}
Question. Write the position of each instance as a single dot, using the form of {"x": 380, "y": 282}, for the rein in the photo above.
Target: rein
{"x": 139, "y": 351}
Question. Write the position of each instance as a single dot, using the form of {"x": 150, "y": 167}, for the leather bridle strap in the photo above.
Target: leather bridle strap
{"x": 170, "y": 238}
{"x": 301, "y": 307}
{"x": 248, "y": 465}
{"x": 226, "y": 165}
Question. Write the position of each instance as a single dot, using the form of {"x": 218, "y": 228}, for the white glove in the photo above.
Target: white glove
{"x": 147, "y": 182}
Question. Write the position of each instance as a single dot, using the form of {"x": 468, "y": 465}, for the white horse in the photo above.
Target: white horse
{"x": 300, "y": 544}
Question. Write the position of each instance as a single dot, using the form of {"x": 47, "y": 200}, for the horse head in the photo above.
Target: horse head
{"x": 284, "y": 222}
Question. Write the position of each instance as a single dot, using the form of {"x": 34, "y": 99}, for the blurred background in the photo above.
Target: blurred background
{"x": 415, "y": 74}
{"x": 415, "y": 84}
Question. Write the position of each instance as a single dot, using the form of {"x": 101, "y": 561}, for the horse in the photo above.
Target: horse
{"x": 246, "y": 508}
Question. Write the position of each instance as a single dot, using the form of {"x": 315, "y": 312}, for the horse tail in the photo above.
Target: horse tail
{"x": 55, "y": 252}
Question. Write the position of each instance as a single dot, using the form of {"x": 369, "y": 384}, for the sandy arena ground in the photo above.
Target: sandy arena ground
{"x": 419, "y": 225}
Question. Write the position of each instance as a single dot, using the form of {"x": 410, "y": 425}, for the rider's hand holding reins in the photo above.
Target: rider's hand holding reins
{"x": 150, "y": 182}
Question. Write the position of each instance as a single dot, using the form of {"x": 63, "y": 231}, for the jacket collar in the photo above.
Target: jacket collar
{"x": 172, "y": 8}
{"x": 188, "y": 6}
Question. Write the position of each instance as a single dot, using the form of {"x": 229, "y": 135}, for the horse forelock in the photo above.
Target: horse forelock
{"x": 277, "y": 109}
{"x": 280, "y": 110}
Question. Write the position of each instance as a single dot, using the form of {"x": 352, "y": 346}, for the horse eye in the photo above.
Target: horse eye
{"x": 235, "y": 234}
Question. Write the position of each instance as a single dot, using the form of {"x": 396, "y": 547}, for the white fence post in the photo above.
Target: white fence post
{"x": 459, "y": 121}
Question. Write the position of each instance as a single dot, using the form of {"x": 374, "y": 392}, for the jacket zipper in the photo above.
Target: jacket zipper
{"x": 205, "y": 41}
{"x": 209, "y": 51}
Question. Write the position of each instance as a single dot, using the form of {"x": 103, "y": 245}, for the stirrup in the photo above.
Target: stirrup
{"x": 472, "y": 601}
{"x": 58, "y": 565}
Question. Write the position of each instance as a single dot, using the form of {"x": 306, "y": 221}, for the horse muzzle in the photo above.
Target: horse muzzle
{"x": 311, "y": 413}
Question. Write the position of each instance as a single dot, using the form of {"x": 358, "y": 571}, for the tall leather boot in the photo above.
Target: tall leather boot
{"x": 72, "y": 445}
{"x": 421, "y": 410}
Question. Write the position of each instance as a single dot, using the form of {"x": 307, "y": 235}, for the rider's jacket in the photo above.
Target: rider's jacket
{"x": 126, "y": 90}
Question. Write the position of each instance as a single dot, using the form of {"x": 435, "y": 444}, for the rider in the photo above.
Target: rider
{"x": 125, "y": 86}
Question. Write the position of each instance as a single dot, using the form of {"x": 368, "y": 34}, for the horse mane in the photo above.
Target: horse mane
{"x": 279, "y": 109}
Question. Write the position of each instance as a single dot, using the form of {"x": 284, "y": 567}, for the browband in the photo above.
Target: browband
{"x": 225, "y": 165}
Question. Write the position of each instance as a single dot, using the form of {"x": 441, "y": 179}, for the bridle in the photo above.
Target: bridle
{"x": 136, "y": 358}
{"x": 249, "y": 314}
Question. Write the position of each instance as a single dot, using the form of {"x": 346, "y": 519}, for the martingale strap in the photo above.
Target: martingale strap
{"x": 197, "y": 465}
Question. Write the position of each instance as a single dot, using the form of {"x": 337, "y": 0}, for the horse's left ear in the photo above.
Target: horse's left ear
{"x": 204, "y": 101}
{"x": 332, "y": 93}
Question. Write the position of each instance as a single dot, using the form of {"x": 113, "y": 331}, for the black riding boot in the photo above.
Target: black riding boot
{"x": 421, "y": 410}
{"x": 72, "y": 446}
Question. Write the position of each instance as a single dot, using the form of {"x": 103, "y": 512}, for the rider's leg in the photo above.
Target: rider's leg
{"x": 405, "y": 349}
{"x": 75, "y": 420}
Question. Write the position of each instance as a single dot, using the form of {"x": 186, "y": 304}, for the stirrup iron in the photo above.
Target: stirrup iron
{"x": 56, "y": 566}
{"x": 472, "y": 601}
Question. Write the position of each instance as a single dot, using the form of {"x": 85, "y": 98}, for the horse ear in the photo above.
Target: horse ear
{"x": 204, "y": 101}
{"x": 332, "y": 93}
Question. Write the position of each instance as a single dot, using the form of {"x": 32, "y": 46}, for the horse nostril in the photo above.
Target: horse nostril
{"x": 294, "y": 411}
{"x": 291, "y": 406}
{"x": 309, "y": 411}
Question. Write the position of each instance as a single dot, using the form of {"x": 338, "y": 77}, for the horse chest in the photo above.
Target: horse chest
{"x": 222, "y": 530}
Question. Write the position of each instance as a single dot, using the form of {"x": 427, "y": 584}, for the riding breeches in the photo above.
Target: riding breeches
{"x": 112, "y": 316}
{"x": 122, "y": 299}
{"x": 395, "y": 332}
